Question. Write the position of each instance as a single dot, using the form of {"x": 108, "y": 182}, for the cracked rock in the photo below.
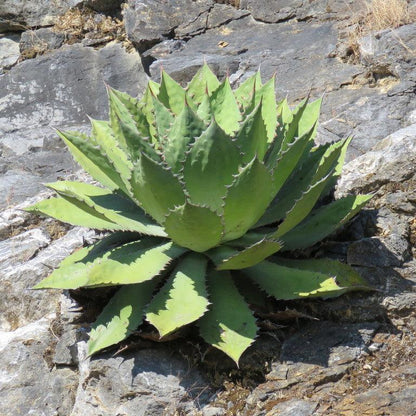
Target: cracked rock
{"x": 9, "y": 51}
{"x": 56, "y": 90}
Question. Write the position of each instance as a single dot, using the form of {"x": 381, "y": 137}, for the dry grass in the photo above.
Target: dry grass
{"x": 234, "y": 3}
{"x": 375, "y": 16}
{"x": 388, "y": 14}
{"x": 78, "y": 24}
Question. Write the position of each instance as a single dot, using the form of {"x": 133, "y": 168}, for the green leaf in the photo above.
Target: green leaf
{"x": 135, "y": 142}
{"x": 286, "y": 163}
{"x": 225, "y": 108}
{"x": 293, "y": 129}
{"x": 195, "y": 227}
{"x": 163, "y": 119}
{"x": 156, "y": 189}
{"x": 210, "y": 166}
{"x": 343, "y": 274}
{"x": 122, "y": 107}
{"x": 171, "y": 94}
{"x": 185, "y": 129}
{"x": 92, "y": 159}
{"x": 104, "y": 137}
{"x": 297, "y": 183}
{"x": 226, "y": 259}
{"x": 182, "y": 299}
{"x": 203, "y": 82}
{"x": 302, "y": 207}
{"x": 324, "y": 221}
{"x": 80, "y": 258}
{"x": 204, "y": 111}
{"x": 266, "y": 95}
{"x": 252, "y": 137}
{"x": 284, "y": 282}
{"x": 229, "y": 324}
{"x": 309, "y": 117}
{"x": 337, "y": 158}
{"x": 245, "y": 92}
{"x": 247, "y": 199}
{"x": 115, "y": 208}
{"x": 130, "y": 263}
{"x": 147, "y": 110}
{"x": 72, "y": 211}
{"x": 121, "y": 316}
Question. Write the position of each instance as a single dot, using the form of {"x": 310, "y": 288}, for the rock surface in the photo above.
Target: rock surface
{"x": 63, "y": 88}
{"x": 9, "y": 51}
{"x": 350, "y": 355}
{"x": 22, "y": 14}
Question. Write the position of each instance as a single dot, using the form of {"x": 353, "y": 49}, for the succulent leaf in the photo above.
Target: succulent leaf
{"x": 266, "y": 95}
{"x": 163, "y": 119}
{"x": 252, "y": 136}
{"x": 204, "y": 82}
{"x": 302, "y": 207}
{"x": 234, "y": 260}
{"x": 171, "y": 94}
{"x": 247, "y": 199}
{"x": 200, "y": 185}
{"x": 104, "y": 137}
{"x": 185, "y": 129}
{"x": 195, "y": 227}
{"x": 229, "y": 324}
{"x": 299, "y": 181}
{"x": 91, "y": 158}
{"x": 323, "y": 222}
{"x": 74, "y": 212}
{"x": 129, "y": 263}
{"x": 284, "y": 281}
{"x": 183, "y": 298}
{"x": 284, "y": 165}
{"x": 155, "y": 188}
{"x": 204, "y": 110}
{"x": 244, "y": 94}
{"x": 115, "y": 208}
{"x": 121, "y": 316}
{"x": 344, "y": 275}
{"x": 225, "y": 108}
{"x": 293, "y": 129}
{"x": 209, "y": 167}
{"x": 309, "y": 117}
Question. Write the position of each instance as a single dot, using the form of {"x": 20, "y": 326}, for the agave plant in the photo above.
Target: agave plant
{"x": 199, "y": 186}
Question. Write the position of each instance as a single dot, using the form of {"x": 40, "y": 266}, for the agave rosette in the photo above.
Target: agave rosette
{"x": 199, "y": 186}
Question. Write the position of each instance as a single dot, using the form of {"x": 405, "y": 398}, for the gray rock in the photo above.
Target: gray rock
{"x": 284, "y": 10}
{"x": 215, "y": 16}
{"x": 368, "y": 114}
{"x": 272, "y": 11}
{"x": 144, "y": 382}
{"x": 390, "y": 50}
{"x": 65, "y": 86}
{"x": 378, "y": 252}
{"x": 9, "y": 51}
{"x": 20, "y": 304}
{"x": 294, "y": 407}
{"x": 21, "y": 14}
{"x": 65, "y": 350}
{"x": 213, "y": 411}
{"x": 41, "y": 40}
{"x": 28, "y": 384}
{"x": 392, "y": 160}
{"x": 152, "y": 21}
{"x": 244, "y": 45}
{"x": 106, "y": 6}
{"x": 328, "y": 344}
